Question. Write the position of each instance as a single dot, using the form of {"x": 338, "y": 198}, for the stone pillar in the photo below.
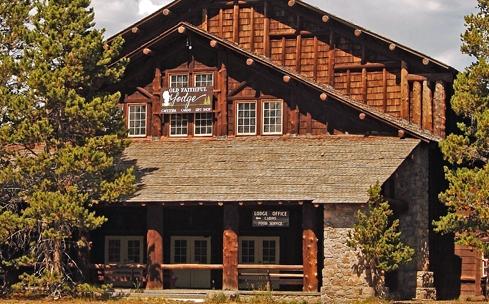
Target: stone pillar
{"x": 230, "y": 247}
{"x": 411, "y": 185}
{"x": 309, "y": 248}
{"x": 154, "y": 239}
{"x": 341, "y": 282}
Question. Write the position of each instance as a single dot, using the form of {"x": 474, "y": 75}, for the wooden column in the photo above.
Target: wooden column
{"x": 364, "y": 86}
{"x": 266, "y": 30}
{"x": 252, "y": 29}
{"x": 427, "y": 106}
{"x": 223, "y": 102}
{"x": 236, "y": 22}
{"x": 309, "y": 248}
{"x": 384, "y": 89}
{"x": 439, "y": 108}
{"x": 230, "y": 247}
{"x": 154, "y": 236}
{"x": 156, "y": 105}
{"x": 404, "y": 91}
{"x": 417, "y": 103}
{"x": 331, "y": 59}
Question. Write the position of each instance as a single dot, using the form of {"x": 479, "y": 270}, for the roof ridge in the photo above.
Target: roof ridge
{"x": 317, "y": 10}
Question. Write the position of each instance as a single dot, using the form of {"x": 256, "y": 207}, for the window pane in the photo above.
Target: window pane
{"x": 203, "y": 124}
{"x": 200, "y": 254}
{"x": 179, "y": 125}
{"x": 269, "y": 252}
{"x": 114, "y": 251}
{"x": 179, "y": 81}
{"x": 246, "y": 122}
{"x": 180, "y": 251}
{"x": 204, "y": 80}
{"x": 272, "y": 117}
{"x": 137, "y": 120}
{"x": 133, "y": 251}
{"x": 248, "y": 251}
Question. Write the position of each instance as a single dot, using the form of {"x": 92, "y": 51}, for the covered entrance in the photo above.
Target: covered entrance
{"x": 231, "y": 246}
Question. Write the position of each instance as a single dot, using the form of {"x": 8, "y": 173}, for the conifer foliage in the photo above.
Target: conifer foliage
{"x": 467, "y": 196}
{"x": 61, "y": 136}
{"x": 377, "y": 240}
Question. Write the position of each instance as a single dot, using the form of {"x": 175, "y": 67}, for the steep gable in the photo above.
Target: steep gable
{"x": 322, "y": 48}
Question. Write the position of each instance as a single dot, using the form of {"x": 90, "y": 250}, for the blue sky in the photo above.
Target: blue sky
{"x": 429, "y": 26}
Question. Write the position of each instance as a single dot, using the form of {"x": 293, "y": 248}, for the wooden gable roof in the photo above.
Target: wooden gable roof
{"x": 178, "y": 6}
{"x": 323, "y": 91}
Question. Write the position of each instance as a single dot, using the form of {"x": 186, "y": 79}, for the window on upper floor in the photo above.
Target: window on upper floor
{"x": 246, "y": 118}
{"x": 179, "y": 81}
{"x": 137, "y": 120}
{"x": 204, "y": 80}
{"x": 203, "y": 123}
{"x": 272, "y": 117}
{"x": 178, "y": 125}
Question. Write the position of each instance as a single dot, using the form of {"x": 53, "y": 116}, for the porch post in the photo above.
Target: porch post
{"x": 230, "y": 247}
{"x": 154, "y": 238}
{"x": 309, "y": 248}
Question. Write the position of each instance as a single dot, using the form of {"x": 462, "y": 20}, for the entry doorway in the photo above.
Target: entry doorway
{"x": 258, "y": 250}
{"x": 191, "y": 250}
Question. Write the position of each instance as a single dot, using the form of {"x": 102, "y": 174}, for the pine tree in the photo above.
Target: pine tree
{"x": 467, "y": 196}
{"x": 377, "y": 240}
{"x": 61, "y": 134}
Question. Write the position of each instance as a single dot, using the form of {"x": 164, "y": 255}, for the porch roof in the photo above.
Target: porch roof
{"x": 336, "y": 169}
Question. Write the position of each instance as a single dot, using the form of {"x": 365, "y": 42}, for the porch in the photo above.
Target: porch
{"x": 212, "y": 246}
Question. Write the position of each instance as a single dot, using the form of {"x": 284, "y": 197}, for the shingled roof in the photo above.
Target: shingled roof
{"x": 337, "y": 169}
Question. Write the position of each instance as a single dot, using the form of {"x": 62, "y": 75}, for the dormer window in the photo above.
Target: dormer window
{"x": 272, "y": 117}
{"x": 137, "y": 120}
{"x": 204, "y": 80}
{"x": 246, "y": 118}
{"x": 179, "y": 81}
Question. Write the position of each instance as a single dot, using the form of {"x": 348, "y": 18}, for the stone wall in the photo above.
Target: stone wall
{"x": 410, "y": 189}
{"x": 340, "y": 281}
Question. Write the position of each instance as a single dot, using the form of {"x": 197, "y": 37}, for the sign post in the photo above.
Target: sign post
{"x": 274, "y": 219}
{"x": 187, "y": 100}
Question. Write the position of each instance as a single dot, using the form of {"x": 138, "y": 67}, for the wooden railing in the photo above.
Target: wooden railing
{"x": 266, "y": 274}
{"x": 269, "y": 275}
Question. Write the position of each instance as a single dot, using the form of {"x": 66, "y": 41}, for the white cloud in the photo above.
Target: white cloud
{"x": 429, "y": 26}
{"x": 147, "y": 7}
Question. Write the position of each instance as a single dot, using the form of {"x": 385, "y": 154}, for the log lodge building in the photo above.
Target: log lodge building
{"x": 257, "y": 127}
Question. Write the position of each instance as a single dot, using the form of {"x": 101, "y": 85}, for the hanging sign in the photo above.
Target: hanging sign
{"x": 187, "y": 100}
{"x": 268, "y": 218}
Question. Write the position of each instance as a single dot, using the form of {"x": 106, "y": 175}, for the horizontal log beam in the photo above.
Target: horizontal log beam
{"x": 192, "y": 266}
{"x": 271, "y": 267}
{"x": 447, "y": 77}
{"x": 343, "y": 67}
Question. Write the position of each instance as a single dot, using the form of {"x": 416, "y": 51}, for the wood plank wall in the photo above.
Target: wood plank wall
{"x": 326, "y": 54}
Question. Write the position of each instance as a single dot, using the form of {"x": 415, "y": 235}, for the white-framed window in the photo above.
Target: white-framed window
{"x": 259, "y": 250}
{"x": 178, "y": 125}
{"x": 204, "y": 80}
{"x": 136, "y": 120}
{"x": 179, "y": 81}
{"x": 124, "y": 249}
{"x": 203, "y": 124}
{"x": 272, "y": 117}
{"x": 190, "y": 249}
{"x": 246, "y": 118}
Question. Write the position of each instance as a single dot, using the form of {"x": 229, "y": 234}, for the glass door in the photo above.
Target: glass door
{"x": 258, "y": 250}
{"x": 191, "y": 250}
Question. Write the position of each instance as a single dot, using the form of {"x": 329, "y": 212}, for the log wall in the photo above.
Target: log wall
{"x": 328, "y": 54}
